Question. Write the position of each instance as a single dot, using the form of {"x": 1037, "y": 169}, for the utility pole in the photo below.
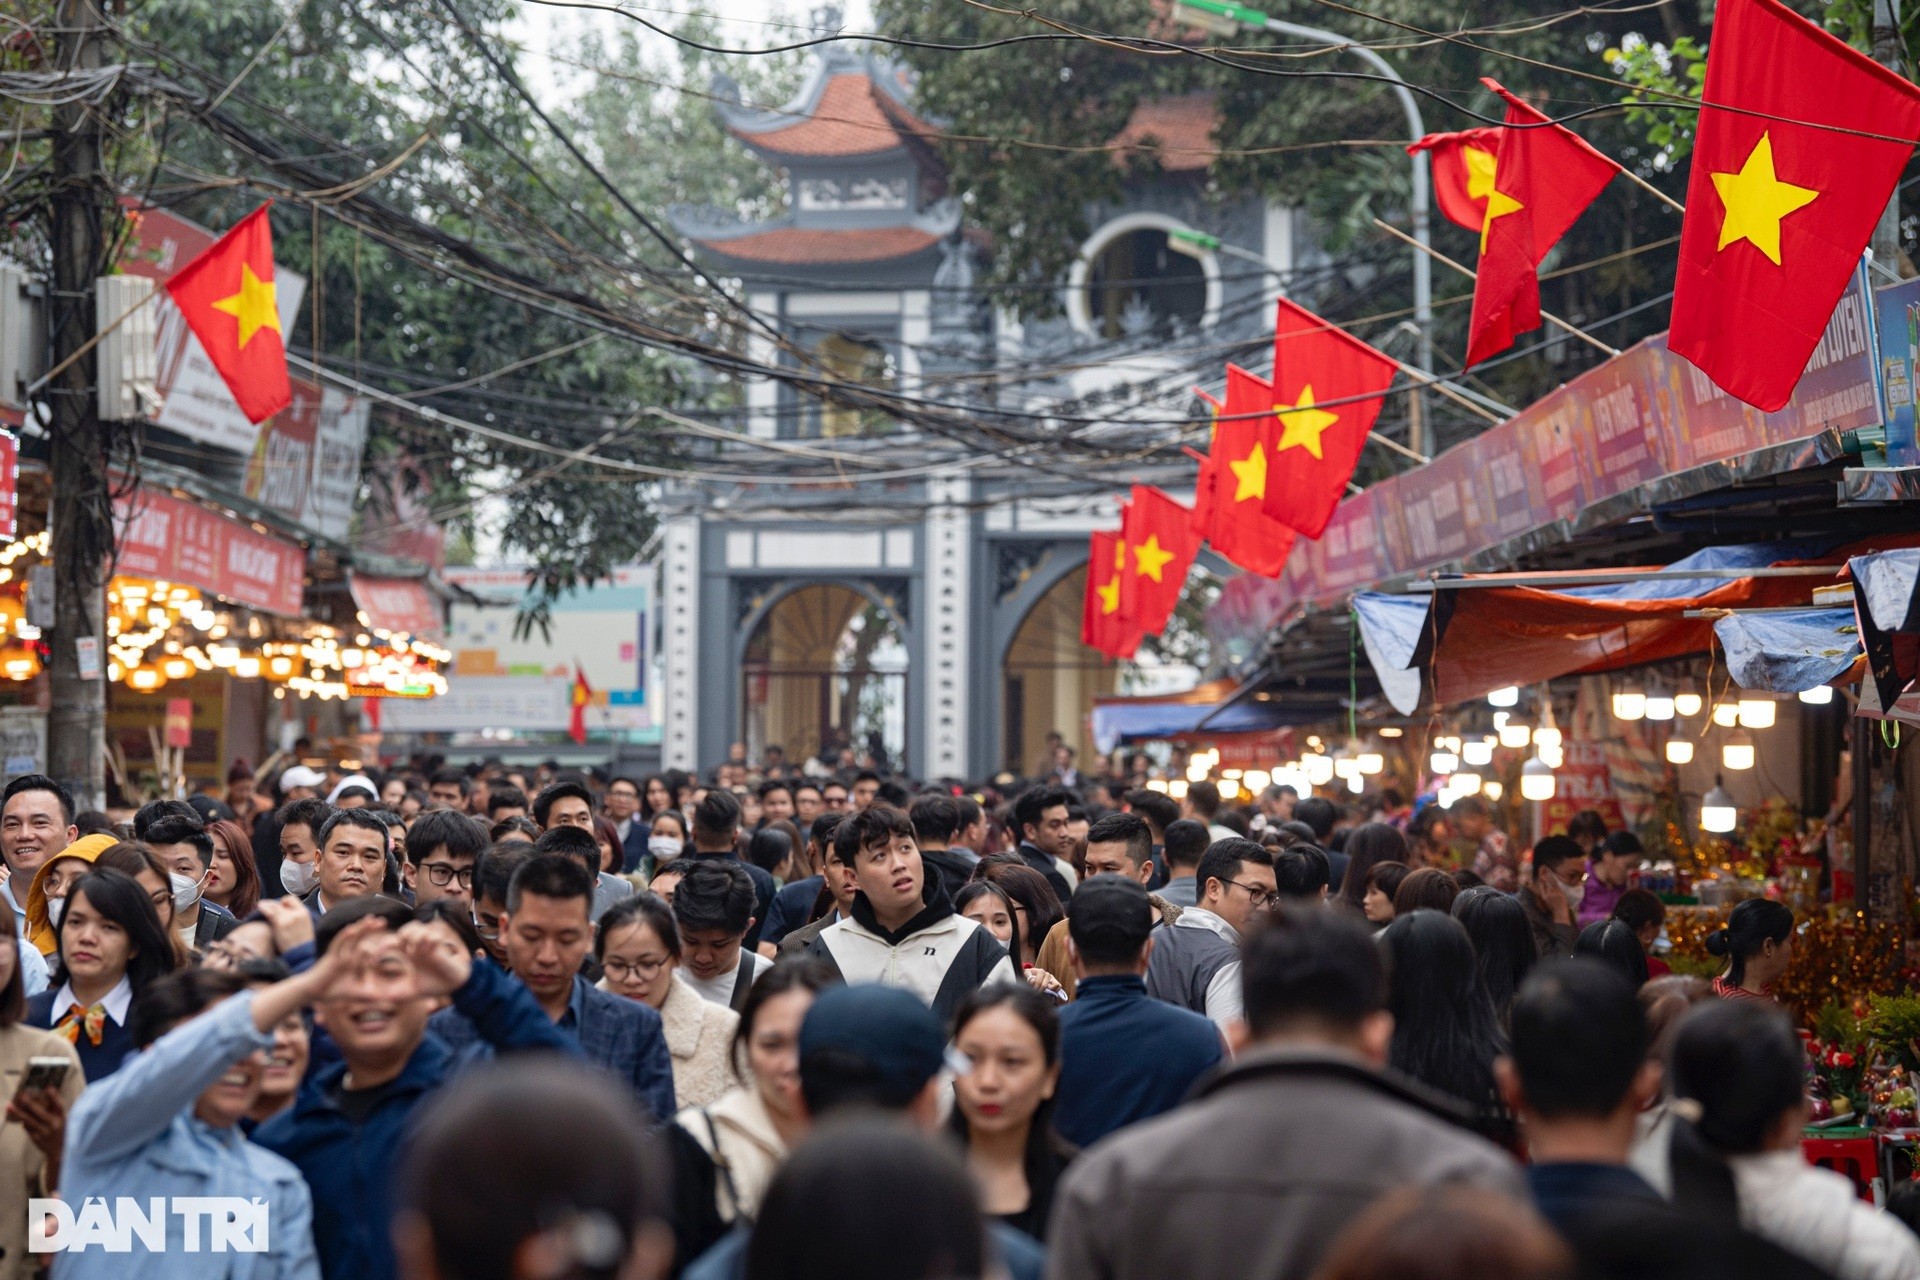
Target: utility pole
{"x": 1887, "y": 51}
{"x": 80, "y": 513}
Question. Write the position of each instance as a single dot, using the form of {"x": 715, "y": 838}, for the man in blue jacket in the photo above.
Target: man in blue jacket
{"x": 349, "y": 1118}
{"x": 547, "y": 933}
{"x": 1124, "y": 1056}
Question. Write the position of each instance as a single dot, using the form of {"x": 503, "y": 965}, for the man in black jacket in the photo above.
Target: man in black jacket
{"x": 936, "y": 818}
{"x": 1040, "y": 816}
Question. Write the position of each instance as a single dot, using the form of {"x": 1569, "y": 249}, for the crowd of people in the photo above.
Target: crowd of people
{"x": 483, "y": 1024}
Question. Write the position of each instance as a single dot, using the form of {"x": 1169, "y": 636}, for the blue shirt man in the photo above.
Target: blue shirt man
{"x": 1124, "y": 1056}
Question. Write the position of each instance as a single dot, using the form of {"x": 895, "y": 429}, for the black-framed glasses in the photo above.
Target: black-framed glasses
{"x": 644, "y": 970}
{"x": 1258, "y": 894}
{"x": 445, "y": 873}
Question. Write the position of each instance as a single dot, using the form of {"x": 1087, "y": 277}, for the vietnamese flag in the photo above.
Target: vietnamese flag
{"x": 1102, "y": 625}
{"x": 1544, "y": 178}
{"x": 1779, "y": 208}
{"x": 226, "y": 296}
{"x": 582, "y": 695}
{"x": 1315, "y": 364}
{"x": 1233, "y": 480}
{"x": 1462, "y": 172}
{"x": 1160, "y": 546}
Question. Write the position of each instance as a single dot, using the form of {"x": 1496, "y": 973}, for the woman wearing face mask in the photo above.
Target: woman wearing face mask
{"x": 110, "y": 947}
{"x": 30, "y": 1144}
{"x": 1004, "y": 1106}
{"x": 46, "y": 898}
{"x": 638, "y": 947}
{"x": 167, "y": 1125}
{"x": 666, "y": 840}
{"x": 724, "y": 1155}
{"x": 173, "y": 896}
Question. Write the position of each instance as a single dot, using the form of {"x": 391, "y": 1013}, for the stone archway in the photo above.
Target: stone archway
{"x": 825, "y": 666}
{"x": 1049, "y": 678}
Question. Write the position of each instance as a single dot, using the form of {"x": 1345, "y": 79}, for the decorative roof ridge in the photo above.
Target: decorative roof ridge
{"x": 709, "y": 224}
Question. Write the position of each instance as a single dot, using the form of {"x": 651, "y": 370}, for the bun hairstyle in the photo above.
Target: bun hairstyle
{"x": 1753, "y": 924}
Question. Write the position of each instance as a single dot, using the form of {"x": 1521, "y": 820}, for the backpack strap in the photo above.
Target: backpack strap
{"x": 742, "y": 981}
{"x": 723, "y": 1167}
{"x": 976, "y": 959}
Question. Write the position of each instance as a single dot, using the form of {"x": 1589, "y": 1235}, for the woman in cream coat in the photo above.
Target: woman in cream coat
{"x": 639, "y": 951}
{"x": 36, "y": 1125}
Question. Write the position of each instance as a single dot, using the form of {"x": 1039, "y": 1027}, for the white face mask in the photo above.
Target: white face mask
{"x": 298, "y": 878}
{"x": 1575, "y": 892}
{"x": 186, "y": 894}
{"x": 56, "y": 907}
{"x": 663, "y": 847}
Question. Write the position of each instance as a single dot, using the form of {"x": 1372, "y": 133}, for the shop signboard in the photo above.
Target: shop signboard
{"x": 305, "y": 462}
{"x": 1899, "y": 314}
{"x": 172, "y": 540}
{"x": 502, "y": 680}
{"x": 1583, "y": 781}
{"x": 402, "y": 605}
{"x": 9, "y": 485}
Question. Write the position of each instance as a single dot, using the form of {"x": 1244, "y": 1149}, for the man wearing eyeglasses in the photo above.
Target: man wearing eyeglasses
{"x": 441, "y": 851}
{"x": 1196, "y": 960}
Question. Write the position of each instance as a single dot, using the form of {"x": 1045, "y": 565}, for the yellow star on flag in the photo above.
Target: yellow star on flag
{"x": 1304, "y": 424}
{"x": 1479, "y": 171}
{"x": 1756, "y": 200}
{"x": 1150, "y": 558}
{"x": 1109, "y": 596}
{"x": 1499, "y": 205}
{"x": 255, "y": 306}
{"x": 1251, "y": 474}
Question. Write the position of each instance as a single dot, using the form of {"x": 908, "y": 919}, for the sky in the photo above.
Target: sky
{"x": 744, "y": 23}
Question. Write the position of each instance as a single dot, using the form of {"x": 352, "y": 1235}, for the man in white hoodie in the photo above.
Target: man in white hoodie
{"x": 902, "y": 930}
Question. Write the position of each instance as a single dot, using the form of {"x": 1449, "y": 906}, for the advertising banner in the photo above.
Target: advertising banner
{"x": 165, "y": 538}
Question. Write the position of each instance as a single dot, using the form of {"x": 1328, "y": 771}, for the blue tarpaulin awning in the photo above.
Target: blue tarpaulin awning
{"x": 1158, "y": 717}
{"x": 1788, "y": 651}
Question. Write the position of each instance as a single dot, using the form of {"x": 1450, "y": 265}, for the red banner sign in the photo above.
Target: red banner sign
{"x": 165, "y": 538}
{"x": 9, "y": 485}
{"x": 397, "y": 604}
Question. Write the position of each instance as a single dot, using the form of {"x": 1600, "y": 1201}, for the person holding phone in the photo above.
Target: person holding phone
{"x": 42, "y": 1074}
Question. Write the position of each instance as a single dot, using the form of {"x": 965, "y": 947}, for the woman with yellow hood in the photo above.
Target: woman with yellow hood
{"x": 50, "y": 886}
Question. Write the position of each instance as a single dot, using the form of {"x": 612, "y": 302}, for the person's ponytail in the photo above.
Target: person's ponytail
{"x": 1750, "y": 926}
{"x": 1735, "y": 1069}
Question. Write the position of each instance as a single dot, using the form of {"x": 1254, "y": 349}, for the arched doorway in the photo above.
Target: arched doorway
{"x": 1050, "y": 678}
{"x": 825, "y": 668}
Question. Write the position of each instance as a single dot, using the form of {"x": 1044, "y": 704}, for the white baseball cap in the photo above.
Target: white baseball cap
{"x": 301, "y": 776}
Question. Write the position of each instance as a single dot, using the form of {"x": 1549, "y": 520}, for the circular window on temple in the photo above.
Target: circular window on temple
{"x": 1137, "y": 284}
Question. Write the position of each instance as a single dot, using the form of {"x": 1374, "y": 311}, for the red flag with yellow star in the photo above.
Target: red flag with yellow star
{"x": 1102, "y": 625}
{"x": 1160, "y": 546}
{"x": 1462, "y": 172}
{"x": 1544, "y": 178}
{"x": 226, "y": 296}
{"x": 1315, "y": 364}
{"x": 582, "y": 697}
{"x": 1233, "y": 480}
{"x": 1784, "y": 195}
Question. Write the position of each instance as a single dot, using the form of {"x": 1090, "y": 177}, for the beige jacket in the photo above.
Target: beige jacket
{"x": 1053, "y": 957}
{"x": 700, "y": 1038}
{"x": 1258, "y": 1172}
{"x": 738, "y": 1134}
{"x": 21, "y": 1165}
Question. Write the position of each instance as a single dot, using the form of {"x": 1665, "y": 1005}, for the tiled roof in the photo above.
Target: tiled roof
{"x": 794, "y": 245}
{"x": 847, "y": 121}
{"x": 1178, "y": 130}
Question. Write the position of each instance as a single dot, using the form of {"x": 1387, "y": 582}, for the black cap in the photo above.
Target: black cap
{"x": 1110, "y": 917}
{"x": 884, "y": 1027}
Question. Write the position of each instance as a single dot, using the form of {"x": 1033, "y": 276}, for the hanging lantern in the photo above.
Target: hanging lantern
{"x": 1757, "y": 713}
{"x": 1818, "y": 696}
{"x": 1738, "y": 752}
{"x": 1679, "y": 750}
{"x": 1629, "y": 703}
{"x": 1507, "y": 697}
{"x": 1718, "y": 813}
{"x": 1537, "y": 780}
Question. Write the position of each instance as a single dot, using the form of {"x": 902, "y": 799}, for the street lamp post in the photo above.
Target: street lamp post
{"x": 1224, "y": 17}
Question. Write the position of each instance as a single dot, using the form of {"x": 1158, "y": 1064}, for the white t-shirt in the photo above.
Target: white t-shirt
{"x": 719, "y": 989}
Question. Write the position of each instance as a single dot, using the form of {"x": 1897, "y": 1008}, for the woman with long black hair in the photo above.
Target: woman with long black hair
{"x": 1738, "y": 1076}
{"x": 1376, "y": 842}
{"x": 1003, "y": 1108}
{"x": 1445, "y": 1031}
{"x": 1758, "y": 945}
{"x": 1503, "y": 948}
{"x": 109, "y": 948}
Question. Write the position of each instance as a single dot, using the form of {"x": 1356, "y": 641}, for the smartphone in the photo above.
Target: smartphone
{"x": 45, "y": 1073}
